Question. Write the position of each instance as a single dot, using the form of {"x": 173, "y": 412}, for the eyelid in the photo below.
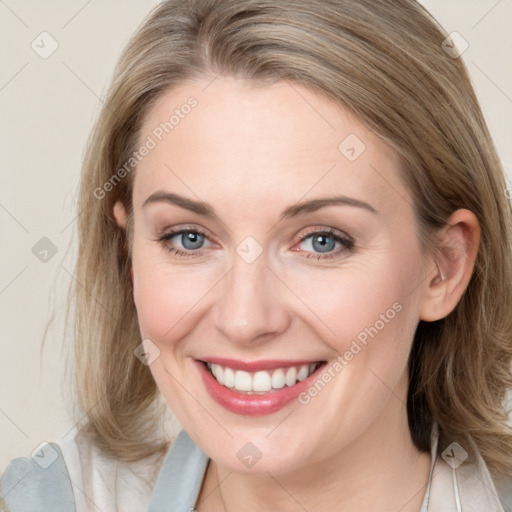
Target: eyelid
{"x": 323, "y": 229}
{"x": 169, "y": 232}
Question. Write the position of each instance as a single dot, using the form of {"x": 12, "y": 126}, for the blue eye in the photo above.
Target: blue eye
{"x": 325, "y": 244}
{"x": 190, "y": 239}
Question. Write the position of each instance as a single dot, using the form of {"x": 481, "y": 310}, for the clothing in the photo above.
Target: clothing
{"x": 79, "y": 478}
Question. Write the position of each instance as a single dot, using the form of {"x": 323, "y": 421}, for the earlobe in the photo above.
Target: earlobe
{"x": 120, "y": 216}
{"x": 452, "y": 266}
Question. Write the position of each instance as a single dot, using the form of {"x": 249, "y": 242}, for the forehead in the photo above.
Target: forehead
{"x": 256, "y": 144}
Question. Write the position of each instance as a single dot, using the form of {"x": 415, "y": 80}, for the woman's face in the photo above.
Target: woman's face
{"x": 271, "y": 228}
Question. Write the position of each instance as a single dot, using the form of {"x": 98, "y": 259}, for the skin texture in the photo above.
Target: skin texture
{"x": 250, "y": 152}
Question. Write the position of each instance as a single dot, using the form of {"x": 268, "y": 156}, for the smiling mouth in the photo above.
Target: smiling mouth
{"x": 263, "y": 381}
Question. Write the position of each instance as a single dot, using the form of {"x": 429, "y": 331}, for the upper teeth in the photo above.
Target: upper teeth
{"x": 260, "y": 381}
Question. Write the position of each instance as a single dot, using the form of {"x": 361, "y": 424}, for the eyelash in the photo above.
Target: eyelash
{"x": 346, "y": 242}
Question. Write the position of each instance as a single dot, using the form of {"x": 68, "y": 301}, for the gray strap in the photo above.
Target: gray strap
{"x": 40, "y": 482}
{"x": 180, "y": 478}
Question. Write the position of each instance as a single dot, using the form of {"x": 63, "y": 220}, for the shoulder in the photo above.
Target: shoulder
{"x": 462, "y": 485}
{"x": 504, "y": 490}
{"x": 72, "y": 473}
{"x": 39, "y": 482}
{"x": 460, "y": 482}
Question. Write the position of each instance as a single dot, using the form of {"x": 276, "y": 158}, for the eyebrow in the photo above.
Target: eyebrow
{"x": 205, "y": 209}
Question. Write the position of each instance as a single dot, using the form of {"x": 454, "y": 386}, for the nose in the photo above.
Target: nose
{"x": 252, "y": 305}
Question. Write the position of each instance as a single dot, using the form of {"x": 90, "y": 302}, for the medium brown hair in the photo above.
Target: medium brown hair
{"x": 385, "y": 62}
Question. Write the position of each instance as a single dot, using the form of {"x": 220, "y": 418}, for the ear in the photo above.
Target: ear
{"x": 120, "y": 216}
{"x": 451, "y": 266}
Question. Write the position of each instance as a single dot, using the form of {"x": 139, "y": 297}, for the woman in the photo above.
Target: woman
{"x": 294, "y": 230}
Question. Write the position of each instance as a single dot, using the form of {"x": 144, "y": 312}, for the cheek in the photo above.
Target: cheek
{"x": 375, "y": 299}
{"x": 160, "y": 297}
{"x": 168, "y": 297}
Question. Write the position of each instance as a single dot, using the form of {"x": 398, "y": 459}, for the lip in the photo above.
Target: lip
{"x": 254, "y": 366}
{"x": 254, "y": 405}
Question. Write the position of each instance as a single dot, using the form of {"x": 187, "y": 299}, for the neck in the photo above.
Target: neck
{"x": 381, "y": 470}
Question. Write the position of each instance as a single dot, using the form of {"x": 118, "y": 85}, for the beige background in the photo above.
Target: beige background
{"x": 47, "y": 107}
